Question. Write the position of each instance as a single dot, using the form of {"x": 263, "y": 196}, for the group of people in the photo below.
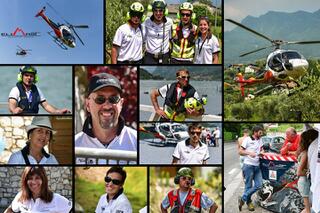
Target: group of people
{"x": 164, "y": 40}
{"x": 305, "y": 147}
{"x": 211, "y": 138}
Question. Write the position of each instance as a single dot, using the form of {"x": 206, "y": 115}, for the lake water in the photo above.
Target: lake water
{"x": 210, "y": 88}
{"x": 55, "y": 83}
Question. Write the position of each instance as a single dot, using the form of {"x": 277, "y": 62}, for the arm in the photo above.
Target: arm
{"x": 303, "y": 165}
{"x": 163, "y": 210}
{"x": 154, "y": 95}
{"x": 213, "y": 208}
{"x": 244, "y": 152}
{"x": 215, "y": 58}
{"x": 8, "y": 210}
{"x": 284, "y": 148}
{"x": 51, "y": 109}
{"x": 174, "y": 160}
{"x": 204, "y": 162}
{"x": 13, "y": 108}
{"x": 114, "y": 54}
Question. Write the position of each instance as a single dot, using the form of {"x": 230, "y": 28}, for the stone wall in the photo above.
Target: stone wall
{"x": 60, "y": 181}
{"x": 13, "y": 135}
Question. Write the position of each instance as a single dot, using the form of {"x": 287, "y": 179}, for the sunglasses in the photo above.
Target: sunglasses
{"x": 136, "y": 14}
{"x": 193, "y": 133}
{"x": 114, "y": 181}
{"x": 100, "y": 99}
{"x": 186, "y": 14}
{"x": 184, "y": 77}
{"x": 186, "y": 178}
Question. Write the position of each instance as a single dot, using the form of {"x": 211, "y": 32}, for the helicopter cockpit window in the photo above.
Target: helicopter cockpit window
{"x": 67, "y": 35}
{"x": 275, "y": 63}
{"x": 291, "y": 55}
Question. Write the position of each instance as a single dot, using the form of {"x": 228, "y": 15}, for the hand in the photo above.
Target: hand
{"x": 17, "y": 110}
{"x": 252, "y": 154}
{"x": 193, "y": 112}
{"x": 63, "y": 111}
{"x": 289, "y": 144}
{"x": 161, "y": 113}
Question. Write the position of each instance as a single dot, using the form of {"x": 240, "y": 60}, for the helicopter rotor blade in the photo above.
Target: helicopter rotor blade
{"x": 303, "y": 42}
{"x": 253, "y": 51}
{"x": 19, "y": 47}
{"x": 250, "y": 30}
{"x": 80, "y": 26}
{"x": 71, "y": 27}
{"x": 58, "y": 13}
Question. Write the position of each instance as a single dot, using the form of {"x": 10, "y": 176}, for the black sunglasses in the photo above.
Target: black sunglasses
{"x": 114, "y": 181}
{"x": 136, "y": 14}
{"x": 192, "y": 133}
{"x": 100, "y": 99}
{"x": 186, "y": 14}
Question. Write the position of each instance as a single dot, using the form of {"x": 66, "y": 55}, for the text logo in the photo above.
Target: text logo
{"x": 20, "y": 33}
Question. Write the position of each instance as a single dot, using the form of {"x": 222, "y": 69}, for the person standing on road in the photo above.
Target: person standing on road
{"x": 246, "y": 133}
{"x": 191, "y": 151}
{"x": 185, "y": 198}
{"x": 251, "y": 149}
{"x": 216, "y": 134}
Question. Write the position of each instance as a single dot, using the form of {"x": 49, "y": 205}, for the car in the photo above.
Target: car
{"x": 272, "y": 143}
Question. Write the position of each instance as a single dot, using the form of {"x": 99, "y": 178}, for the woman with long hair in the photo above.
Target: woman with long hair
{"x": 207, "y": 45}
{"x": 35, "y": 195}
{"x": 39, "y": 133}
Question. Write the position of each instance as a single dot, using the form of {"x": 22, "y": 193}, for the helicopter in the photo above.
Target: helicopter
{"x": 63, "y": 33}
{"x": 282, "y": 69}
{"x": 21, "y": 51}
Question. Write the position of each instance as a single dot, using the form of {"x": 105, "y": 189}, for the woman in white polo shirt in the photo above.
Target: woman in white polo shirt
{"x": 114, "y": 200}
{"x": 35, "y": 195}
{"x": 207, "y": 45}
{"x": 39, "y": 134}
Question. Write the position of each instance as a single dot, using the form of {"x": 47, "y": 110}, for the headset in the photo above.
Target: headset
{"x": 177, "y": 177}
{"x": 158, "y": 4}
{"x": 29, "y": 69}
{"x": 136, "y": 7}
{"x": 186, "y": 6}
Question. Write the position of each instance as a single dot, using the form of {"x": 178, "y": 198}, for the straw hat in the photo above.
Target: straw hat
{"x": 40, "y": 122}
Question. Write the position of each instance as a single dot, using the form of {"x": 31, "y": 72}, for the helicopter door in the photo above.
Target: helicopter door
{"x": 275, "y": 63}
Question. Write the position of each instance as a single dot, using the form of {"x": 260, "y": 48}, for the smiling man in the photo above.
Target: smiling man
{"x": 104, "y": 127}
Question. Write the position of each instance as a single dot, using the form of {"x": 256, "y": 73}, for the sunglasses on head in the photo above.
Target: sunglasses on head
{"x": 114, "y": 181}
{"x": 100, "y": 99}
{"x": 193, "y": 133}
{"x": 186, "y": 14}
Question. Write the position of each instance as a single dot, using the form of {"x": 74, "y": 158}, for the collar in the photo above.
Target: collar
{"x": 164, "y": 20}
{"x": 116, "y": 195}
{"x": 188, "y": 142}
{"x": 87, "y": 126}
{"x": 26, "y": 150}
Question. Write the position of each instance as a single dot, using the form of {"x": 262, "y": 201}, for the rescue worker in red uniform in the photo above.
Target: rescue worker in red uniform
{"x": 186, "y": 199}
{"x": 291, "y": 144}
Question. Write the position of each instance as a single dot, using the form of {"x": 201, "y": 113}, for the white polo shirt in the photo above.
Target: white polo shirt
{"x": 209, "y": 47}
{"x": 17, "y": 158}
{"x": 126, "y": 140}
{"x": 187, "y": 154}
{"x": 252, "y": 145}
{"x": 119, "y": 205}
{"x": 154, "y": 35}
{"x": 130, "y": 42}
{"x": 15, "y": 94}
{"x": 59, "y": 204}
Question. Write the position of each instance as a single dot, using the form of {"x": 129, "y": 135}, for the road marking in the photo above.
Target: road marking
{"x": 232, "y": 171}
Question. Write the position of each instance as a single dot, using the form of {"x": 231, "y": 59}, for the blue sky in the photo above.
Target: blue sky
{"x": 20, "y": 13}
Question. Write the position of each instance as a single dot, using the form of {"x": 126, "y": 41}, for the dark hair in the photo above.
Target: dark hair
{"x": 181, "y": 70}
{"x": 30, "y": 131}
{"x": 307, "y": 137}
{"x": 257, "y": 129}
{"x": 209, "y": 35}
{"x": 46, "y": 194}
{"x": 120, "y": 171}
{"x": 194, "y": 126}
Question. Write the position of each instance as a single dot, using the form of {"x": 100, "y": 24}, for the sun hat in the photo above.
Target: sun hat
{"x": 40, "y": 122}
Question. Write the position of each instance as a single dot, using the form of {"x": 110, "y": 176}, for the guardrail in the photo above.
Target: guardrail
{"x": 106, "y": 154}
{"x": 155, "y": 117}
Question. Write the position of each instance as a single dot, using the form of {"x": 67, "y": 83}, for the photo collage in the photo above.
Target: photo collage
{"x": 113, "y": 106}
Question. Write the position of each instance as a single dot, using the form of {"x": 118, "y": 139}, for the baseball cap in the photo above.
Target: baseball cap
{"x": 101, "y": 80}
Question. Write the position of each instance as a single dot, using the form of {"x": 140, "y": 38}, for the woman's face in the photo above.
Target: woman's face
{"x": 112, "y": 188}
{"x": 40, "y": 137}
{"x": 34, "y": 183}
{"x": 203, "y": 26}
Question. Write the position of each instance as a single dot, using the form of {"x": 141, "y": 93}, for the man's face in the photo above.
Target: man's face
{"x": 185, "y": 182}
{"x": 103, "y": 112}
{"x": 158, "y": 14}
{"x": 114, "y": 183}
{"x": 28, "y": 78}
{"x": 183, "y": 78}
{"x": 136, "y": 18}
{"x": 290, "y": 135}
{"x": 185, "y": 16}
{"x": 258, "y": 134}
{"x": 195, "y": 134}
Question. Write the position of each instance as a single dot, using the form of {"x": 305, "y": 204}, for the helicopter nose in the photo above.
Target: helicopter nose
{"x": 299, "y": 67}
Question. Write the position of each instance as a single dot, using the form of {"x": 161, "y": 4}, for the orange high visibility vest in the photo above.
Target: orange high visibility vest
{"x": 191, "y": 204}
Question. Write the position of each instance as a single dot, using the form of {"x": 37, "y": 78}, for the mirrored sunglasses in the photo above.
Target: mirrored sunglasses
{"x": 100, "y": 99}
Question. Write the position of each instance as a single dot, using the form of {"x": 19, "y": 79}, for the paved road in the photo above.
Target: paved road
{"x": 233, "y": 181}
{"x": 151, "y": 154}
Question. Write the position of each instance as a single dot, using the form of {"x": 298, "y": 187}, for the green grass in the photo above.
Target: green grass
{"x": 88, "y": 193}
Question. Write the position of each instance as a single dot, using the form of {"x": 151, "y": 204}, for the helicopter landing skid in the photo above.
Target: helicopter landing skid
{"x": 58, "y": 42}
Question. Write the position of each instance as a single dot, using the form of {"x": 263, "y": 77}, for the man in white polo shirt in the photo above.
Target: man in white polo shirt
{"x": 104, "y": 127}
{"x": 191, "y": 151}
{"x": 157, "y": 34}
{"x": 128, "y": 40}
{"x": 251, "y": 149}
